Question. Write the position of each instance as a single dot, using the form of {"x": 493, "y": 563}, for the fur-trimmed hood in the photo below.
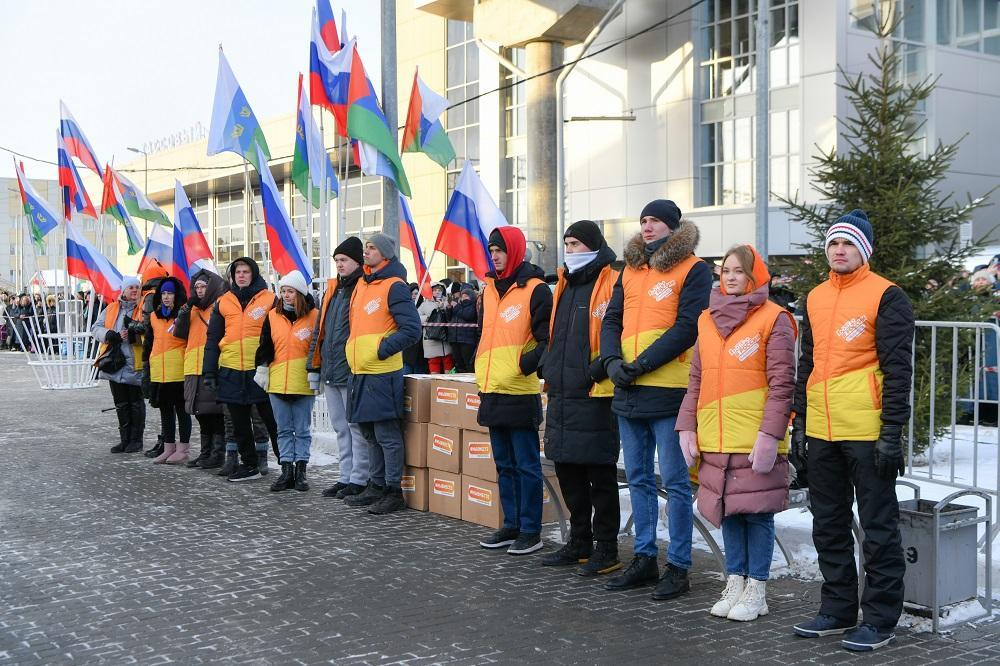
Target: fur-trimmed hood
{"x": 679, "y": 246}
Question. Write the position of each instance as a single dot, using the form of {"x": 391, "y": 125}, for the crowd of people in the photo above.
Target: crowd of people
{"x": 28, "y": 320}
{"x": 644, "y": 358}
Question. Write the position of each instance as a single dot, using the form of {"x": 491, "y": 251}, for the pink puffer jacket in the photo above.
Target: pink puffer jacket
{"x": 728, "y": 486}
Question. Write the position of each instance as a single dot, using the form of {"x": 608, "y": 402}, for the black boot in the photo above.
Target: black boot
{"x": 136, "y": 427}
{"x": 287, "y": 479}
{"x": 371, "y": 494}
{"x": 205, "y": 441}
{"x": 351, "y": 490}
{"x": 230, "y": 465}
{"x": 642, "y": 571}
{"x": 576, "y": 551}
{"x": 391, "y": 501}
{"x": 301, "y": 484}
{"x": 673, "y": 583}
{"x": 334, "y": 489}
{"x": 156, "y": 450}
{"x": 603, "y": 560}
{"x": 262, "y": 460}
{"x": 218, "y": 454}
{"x": 121, "y": 410}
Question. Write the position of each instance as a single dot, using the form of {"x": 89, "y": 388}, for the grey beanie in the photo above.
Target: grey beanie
{"x": 385, "y": 245}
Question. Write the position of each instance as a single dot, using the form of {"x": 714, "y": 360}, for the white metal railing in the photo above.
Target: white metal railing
{"x": 58, "y": 344}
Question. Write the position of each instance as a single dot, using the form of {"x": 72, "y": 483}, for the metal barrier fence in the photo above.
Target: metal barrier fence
{"x": 57, "y": 341}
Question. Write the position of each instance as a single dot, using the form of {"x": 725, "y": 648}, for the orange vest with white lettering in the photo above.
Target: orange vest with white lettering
{"x": 599, "y": 299}
{"x": 194, "y": 354}
{"x": 371, "y": 323}
{"x": 506, "y": 336}
{"x": 287, "y": 372}
{"x": 166, "y": 359}
{"x": 239, "y": 344}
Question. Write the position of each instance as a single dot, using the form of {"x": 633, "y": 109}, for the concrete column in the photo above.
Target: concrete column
{"x": 541, "y": 164}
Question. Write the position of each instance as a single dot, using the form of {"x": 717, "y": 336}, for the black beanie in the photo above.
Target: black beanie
{"x": 496, "y": 238}
{"x": 586, "y": 232}
{"x": 663, "y": 209}
{"x": 352, "y": 248}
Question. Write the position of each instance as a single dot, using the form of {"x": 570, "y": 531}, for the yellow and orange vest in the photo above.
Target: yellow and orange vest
{"x": 599, "y": 299}
{"x": 166, "y": 358}
{"x": 194, "y": 354}
{"x": 239, "y": 344}
{"x": 110, "y": 315}
{"x": 734, "y": 386}
{"x": 287, "y": 373}
{"x": 506, "y": 336}
{"x": 650, "y": 310}
{"x": 371, "y": 323}
{"x": 328, "y": 296}
{"x": 844, "y": 390}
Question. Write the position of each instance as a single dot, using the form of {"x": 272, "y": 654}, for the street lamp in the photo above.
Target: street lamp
{"x": 145, "y": 186}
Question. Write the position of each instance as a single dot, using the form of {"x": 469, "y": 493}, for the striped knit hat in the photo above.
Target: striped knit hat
{"x": 856, "y": 228}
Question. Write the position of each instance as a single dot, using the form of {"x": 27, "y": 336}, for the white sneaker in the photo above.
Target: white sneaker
{"x": 752, "y": 603}
{"x": 730, "y": 596}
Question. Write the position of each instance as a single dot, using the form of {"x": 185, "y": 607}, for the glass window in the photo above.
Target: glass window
{"x": 973, "y": 25}
{"x": 462, "y": 56}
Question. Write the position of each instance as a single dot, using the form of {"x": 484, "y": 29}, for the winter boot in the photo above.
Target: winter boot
{"x": 334, "y": 489}
{"x": 217, "y": 454}
{"x": 156, "y": 450}
{"x": 205, "y": 442}
{"x": 121, "y": 409}
{"x": 576, "y": 551}
{"x": 752, "y": 603}
{"x": 391, "y": 500}
{"x": 287, "y": 479}
{"x": 169, "y": 449}
{"x": 136, "y": 425}
{"x": 603, "y": 560}
{"x": 371, "y": 494}
{"x": 730, "y": 596}
{"x": 232, "y": 459}
{"x": 301, "y": 484}
{"x": 351, "y": 490}
{"x": 262, "y": 458}
{"x": 180, "y": 454}
{"x": 673, "y": 583}
{"x": 642, "y": 571}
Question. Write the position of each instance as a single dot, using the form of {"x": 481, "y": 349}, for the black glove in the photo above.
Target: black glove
{"x": 147, "y": 386}
{"x": 889, "y": 461}
{"x": 597, "y": 371}
{"x": 619, "y": 376}
{"x": 210, "y": 382}
{"x": 111, "y": 337}
{"x": 798, "y": 453}
{"x": 633, "y": 369}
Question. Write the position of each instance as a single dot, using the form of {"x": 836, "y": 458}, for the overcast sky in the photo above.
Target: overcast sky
{"x": 133, "y": 71}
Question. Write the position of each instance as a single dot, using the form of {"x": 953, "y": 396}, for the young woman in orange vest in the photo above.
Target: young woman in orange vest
{"x": 126, "y": 381}
{"x": 163, "y": 359}
{"x": 281, "y": 371}
{"x": 735, "y": 416}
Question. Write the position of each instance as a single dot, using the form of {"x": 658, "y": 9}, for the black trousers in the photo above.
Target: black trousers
{"x": 131, "y": 410}
{"x": 464, "y": 355}
{"x": 170, "y": 398}
{"x": 210, "y": 425}
{"x": 591, "y": 490}
{"x": 837, "y": 472}
{"x": 243, "y": 429}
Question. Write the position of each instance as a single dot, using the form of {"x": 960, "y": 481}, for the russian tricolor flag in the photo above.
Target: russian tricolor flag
{"x": 286, "y": 249}
{"x": 84, "y": 261}
{"x": 76, "y": 143}
{"x": 329, "y": 76}
{"x": 159, "y": 249}
{"x": 328, "y": 26}
{"x": 190, "y": 249}
{"x": 471, "y": 217}
{"x": 408, "y": 239}
{"x": 74, "y": 196}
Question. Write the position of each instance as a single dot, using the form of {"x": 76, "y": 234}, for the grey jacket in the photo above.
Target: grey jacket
{"x": 127, "y": 374}
{"x": 334, "y": 369}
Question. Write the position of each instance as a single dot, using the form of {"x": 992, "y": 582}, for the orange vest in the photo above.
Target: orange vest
{"x": 650, "y": 309}
{"x": 110, "y": 315}
{"x": 287, "y": 373}
{"x": 734, "y": 386}
{"x": 599, "y": 299}
{"x": 328, "y": 295}
{"x": 194, "y": 354}
{"x": 506, "y": 336}
{"x": 166, "y": 359}
{"x": 371, "y": 323}
{"x": 844, "y": 390}
{"x": 239, "y": 344}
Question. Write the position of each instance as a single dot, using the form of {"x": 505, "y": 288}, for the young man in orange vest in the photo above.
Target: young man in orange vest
{"x": 581, "y": 432}
{"x": 516, "y": 308}
{"x": 646, "y": 340}
{"x": 852, "y": 399}
{"x": 384, "y": 321}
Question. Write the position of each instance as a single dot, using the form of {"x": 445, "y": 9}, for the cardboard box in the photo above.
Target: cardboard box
{"x": 417, "y": 397}
{"x": 481, "y": 502}
{"x": 444, "y": 448}
{"x": 414, "y": 484}
{"x": 415, "y": 444}
{"x": 444, "y": 493}
{"x": 455, "y": 400}
{"x": 477, "y": 455}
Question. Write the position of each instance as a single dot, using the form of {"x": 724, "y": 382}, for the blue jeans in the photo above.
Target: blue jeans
{"x": 519, "y": 476}
{"x": 749, "y": 543}
{"x": 385, "y": 452}
{"x": 641, "y": 438}
{"x": 294, "y": 420}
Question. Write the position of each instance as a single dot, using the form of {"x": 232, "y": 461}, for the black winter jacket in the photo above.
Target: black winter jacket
{"x": 465, "y": 312}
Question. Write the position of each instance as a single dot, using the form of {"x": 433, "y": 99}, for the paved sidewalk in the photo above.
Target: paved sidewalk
{"x": 110, "y": 559}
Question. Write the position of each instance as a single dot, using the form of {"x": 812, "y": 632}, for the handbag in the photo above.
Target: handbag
{"x": 438, "y": 333}
{"x": 112, "y": 360}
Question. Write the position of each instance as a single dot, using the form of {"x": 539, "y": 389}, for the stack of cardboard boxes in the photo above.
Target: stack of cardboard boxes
{"x": 449, "y": 459}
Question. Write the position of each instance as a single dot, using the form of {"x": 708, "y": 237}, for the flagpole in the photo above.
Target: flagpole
{"x": 324, "y": 210}
{"x": 265, "y": 247}
{"x": 427, "y": 274}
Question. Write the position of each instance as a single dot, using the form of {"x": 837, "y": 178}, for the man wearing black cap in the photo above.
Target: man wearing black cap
{"x": 646, "y": 340}
{"x": 581, "y": 433}
{"x": 328, "y": 364}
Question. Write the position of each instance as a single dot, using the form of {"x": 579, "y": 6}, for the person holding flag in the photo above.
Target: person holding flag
{"x": 163, "y": 371}
{"x": 517, "y": 305}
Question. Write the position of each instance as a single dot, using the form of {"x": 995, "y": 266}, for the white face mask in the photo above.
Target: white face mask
{"x": 578, "y": 260}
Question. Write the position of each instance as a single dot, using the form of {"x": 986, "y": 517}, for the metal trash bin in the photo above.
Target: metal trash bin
{"x": 956, "y": 565}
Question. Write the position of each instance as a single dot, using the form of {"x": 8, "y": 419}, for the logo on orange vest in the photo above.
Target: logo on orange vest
{"x": 511, "y": 313}
{"x": 662, "y": 289}
{"x": 600, "y": 310}
{"x": 304, "y": 333}
{"x": 745, "y": 348}
{"x": 257, "y": 313}
{"x": 373, "y": 305}
{"x": 852, "y": 328}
